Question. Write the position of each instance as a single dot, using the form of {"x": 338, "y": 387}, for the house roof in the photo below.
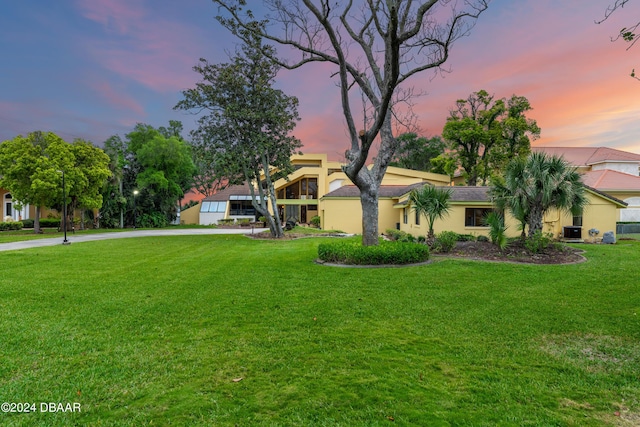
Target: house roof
{"x": 458, "y": 194}
{"x": 232, "y": 190}
{"x": 385, "y": 190}
{"x": 607, "y": 179}
{"x": 586, "y": 156}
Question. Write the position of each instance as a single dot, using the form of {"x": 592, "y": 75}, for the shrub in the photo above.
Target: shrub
{"x": 445, "y": 242}
{"x": 482, "y": 239}
{"x": 400, "y": 236}
{"x": 538, "y": 242}
{"x": 353, "y": 253}
{"x": 226, "y": 221}
{"x": 50, "y": 222}
{"x": 244, "y": 221}
{"x": 262, "y": 219}
{"x": 27, "y": 223}
{"x": 497, "y": 229}
{"x": 152, "y": 220}
{"x": 466, "y": 238}
{"x": 315, "y": 221}
{"x": 11, "y": 225}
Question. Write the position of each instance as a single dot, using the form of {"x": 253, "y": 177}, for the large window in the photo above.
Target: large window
{"x": 474, "y": 217}
{"x": 215, "y": 207}
{"x": 242, "y": 207}
{"x": 305, "y": 188}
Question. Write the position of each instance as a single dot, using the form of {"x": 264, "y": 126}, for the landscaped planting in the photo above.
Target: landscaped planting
{"x": 351, "y": 251}
{"x": 225, "y": 330}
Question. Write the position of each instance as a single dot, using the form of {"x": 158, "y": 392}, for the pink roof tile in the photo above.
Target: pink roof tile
{"x": 607, "y": 179}
{"x": 585, "y": 156}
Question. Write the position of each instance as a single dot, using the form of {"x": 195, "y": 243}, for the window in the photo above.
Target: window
{"x": 242, "y": 207}
{"x": 215, "y": 207}
{"x": 306, "y": 188}
{"x": 405, "y": 216}
{"x": 474, "y": 217}
{"x": 417, "y": 218}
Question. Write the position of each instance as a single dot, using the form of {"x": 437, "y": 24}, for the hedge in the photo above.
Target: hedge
{"x": 353, "y": 253}
{"x": 10, "y": 225}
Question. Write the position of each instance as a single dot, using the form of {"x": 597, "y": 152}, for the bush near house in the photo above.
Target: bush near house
{"x": 399, "y": 236}
{"x": 11, "y": 225}
{"x": 353, "y": 253}
{"x": 445, "y": 242}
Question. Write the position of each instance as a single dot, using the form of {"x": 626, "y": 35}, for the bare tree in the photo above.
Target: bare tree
{"x": 376, "y": 46}
{"x": 627, "y": 34}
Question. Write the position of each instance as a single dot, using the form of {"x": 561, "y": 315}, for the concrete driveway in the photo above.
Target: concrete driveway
{"x": 73, "y": 238}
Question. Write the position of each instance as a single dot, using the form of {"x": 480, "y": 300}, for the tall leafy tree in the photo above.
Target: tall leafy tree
{"x": 248, "y": 123}
{"x": 155, "y": 163}
{"x": 87, "y": 176}
{"x": 431, "y": 202}
{"x": 375, "y": 47}
{"x": 536, "y": 184}
{"x": 484, "y": 133}
{"x": 417, "y": 152}
{"x": 32, "y": 166}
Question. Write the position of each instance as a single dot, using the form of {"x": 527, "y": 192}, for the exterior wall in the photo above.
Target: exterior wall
{"x": 210, "y": 218}
{"x": 632, "y": 212}
{"x": 600, "y": 214}
{"x": 625, "y": 167}
{"x": 454, "y": 221}
{"x": 345, "y": 214}
{"x": 191, "y": 215}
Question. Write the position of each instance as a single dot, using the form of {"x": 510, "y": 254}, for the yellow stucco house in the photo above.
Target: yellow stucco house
{"x": 319, "y": 187}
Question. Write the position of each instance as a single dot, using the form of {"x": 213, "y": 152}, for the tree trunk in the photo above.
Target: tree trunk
{"x": 369, "y": 202}
{"x": 535, "y": 220}
{"x": 36, "y": 221}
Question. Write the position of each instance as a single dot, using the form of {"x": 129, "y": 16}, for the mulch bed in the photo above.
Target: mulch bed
{"x": 516, "y": 252}
{"x": 485, "y": 251}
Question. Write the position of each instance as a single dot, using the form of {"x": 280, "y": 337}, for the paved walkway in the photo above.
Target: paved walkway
{"x": 79, "y": 238}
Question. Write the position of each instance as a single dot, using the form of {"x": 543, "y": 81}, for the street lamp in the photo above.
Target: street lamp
{"x": 64, "y": 211}
{"x": 135, "y": 213}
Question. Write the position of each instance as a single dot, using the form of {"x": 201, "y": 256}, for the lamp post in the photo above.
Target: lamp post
{"x": 64, "y": 211}
{"x": 135, "y": 213}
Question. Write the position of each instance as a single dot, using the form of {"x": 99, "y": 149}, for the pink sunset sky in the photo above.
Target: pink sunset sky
{"x": 94, "y": 68}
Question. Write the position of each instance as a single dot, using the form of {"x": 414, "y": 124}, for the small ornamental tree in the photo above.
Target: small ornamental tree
{"x": 536, "y": 184}
{"x": 432, "y": 202}
{"x": 247, "y": 124}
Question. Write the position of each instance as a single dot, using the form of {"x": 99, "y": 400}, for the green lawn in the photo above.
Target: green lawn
{"x": 226, "y": 331}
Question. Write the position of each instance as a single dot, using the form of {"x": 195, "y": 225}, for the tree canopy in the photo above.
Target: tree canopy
{"x": 484, "y": 134}
{"x": 533, "y": 185}
{"x": 32, "y": 166}
{"x": 246, "y": 131}
{"x": 374, "y": 47}
{"x": 155, "y": 162}
{"x": 417, "y": 152}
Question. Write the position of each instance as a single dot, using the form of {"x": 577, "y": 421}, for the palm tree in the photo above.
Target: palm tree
{"x": 536, "y": 184}
{"x": 432, "y": 202}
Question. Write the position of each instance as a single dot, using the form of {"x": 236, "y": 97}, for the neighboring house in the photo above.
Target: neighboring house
{"x": 608, "y": 170}
{"x": 320, "y": 187}
{"x": 10, "y": 208}
{"x": 470, "y": 205}
{"x": 300, "y": 196}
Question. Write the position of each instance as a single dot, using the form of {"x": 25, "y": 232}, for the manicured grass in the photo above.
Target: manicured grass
{"x": 225, "y": 330}
{"x": 47, "y": 233}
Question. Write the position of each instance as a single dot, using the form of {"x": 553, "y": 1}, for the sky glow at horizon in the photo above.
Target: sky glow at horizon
{"x": 94, "y": 68}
